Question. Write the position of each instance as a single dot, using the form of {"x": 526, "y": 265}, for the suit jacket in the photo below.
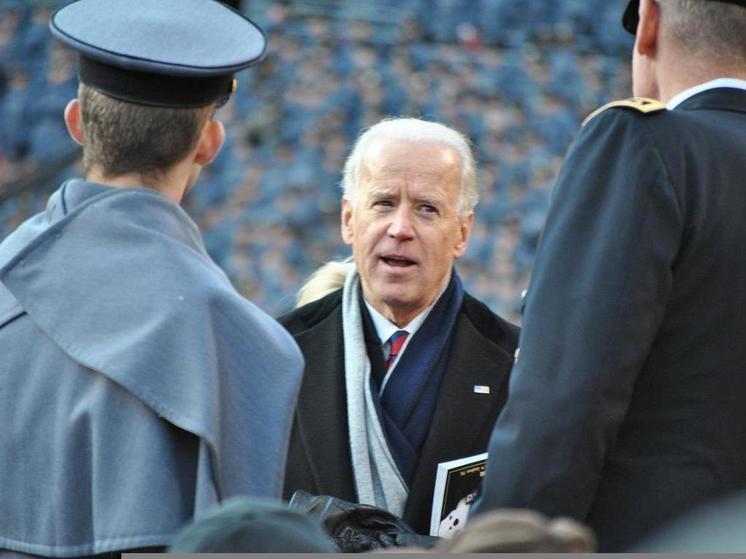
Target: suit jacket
{"x": 627, "y": 401}
{"x": 319, "y": 456}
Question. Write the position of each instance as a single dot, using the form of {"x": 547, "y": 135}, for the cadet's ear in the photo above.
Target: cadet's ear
{"x": 211, "y": 139}
{"x": 73, "y": 122}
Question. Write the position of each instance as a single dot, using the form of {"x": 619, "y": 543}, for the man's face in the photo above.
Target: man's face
{"x": 404, "y": 224}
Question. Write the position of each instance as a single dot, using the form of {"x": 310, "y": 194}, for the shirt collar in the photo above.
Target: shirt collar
{"x": 385, "y": 328}
{"x": 676, "y": 100}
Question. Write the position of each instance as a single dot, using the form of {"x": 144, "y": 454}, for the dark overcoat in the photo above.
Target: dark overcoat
{"x": 319, "y": 456}
{"x": 628, "y": 401}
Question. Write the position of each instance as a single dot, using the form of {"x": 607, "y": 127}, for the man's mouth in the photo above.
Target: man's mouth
{"x": 397, "y": 261}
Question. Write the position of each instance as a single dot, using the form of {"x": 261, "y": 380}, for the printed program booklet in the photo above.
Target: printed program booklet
{"x": 456, "y": 486}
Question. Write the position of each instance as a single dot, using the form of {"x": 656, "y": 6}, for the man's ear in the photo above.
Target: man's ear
{"x": 648, "y": 28}
{"x": 346, "y": 221}
{"x": 211, "y": 139}
{"x": 73, "y": 121}
{"x": 465, "y": 232}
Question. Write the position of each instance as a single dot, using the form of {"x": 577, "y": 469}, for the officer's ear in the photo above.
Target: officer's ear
{"x": 210, "y": 141}
{"x": 73, "y": 121}
{"x": 648, "y": 29}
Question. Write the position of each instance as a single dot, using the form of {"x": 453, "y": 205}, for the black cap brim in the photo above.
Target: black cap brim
{"x": 155, "y": 90}
{"x": 631, "y": 17}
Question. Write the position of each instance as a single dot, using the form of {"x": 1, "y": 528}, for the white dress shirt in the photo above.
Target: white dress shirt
{"x": 676, "y": 100}
{"x": 385, "y": 328}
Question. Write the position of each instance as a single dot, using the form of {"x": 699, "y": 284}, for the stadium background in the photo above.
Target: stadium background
{"x": 517, "y": 77}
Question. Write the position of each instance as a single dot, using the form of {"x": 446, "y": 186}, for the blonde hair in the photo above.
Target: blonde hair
{"x": 415, "y": 130}
{"x": 329, "y": 277}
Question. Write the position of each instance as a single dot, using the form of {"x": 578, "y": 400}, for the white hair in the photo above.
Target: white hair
{"x": 415, "y": 130}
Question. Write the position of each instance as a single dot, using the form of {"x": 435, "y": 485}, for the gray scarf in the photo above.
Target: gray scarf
{"x": 377, "y": 479}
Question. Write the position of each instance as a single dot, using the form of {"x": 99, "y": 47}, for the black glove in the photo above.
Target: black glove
{"x": 354, "y": 527}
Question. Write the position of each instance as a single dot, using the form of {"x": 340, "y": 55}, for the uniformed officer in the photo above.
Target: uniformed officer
{"x": 138, "y": 387}
{"x": 626, "y": 405}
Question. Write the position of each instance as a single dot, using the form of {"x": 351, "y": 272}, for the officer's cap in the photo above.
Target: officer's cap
{"x": 166, "y": 53}
{"x": 630, "y": 17}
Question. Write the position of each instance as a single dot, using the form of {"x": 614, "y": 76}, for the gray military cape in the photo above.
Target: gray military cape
{"x": 137, "y": 387}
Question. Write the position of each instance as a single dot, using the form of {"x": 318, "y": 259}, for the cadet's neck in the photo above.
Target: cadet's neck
{"x": 172, "y": 183}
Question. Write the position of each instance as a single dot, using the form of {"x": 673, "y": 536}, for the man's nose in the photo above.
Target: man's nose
{"x": 402, "y": 225}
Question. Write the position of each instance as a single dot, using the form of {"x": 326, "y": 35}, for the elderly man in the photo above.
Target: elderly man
{"x": 627, "y": 403}
{"x": 403, "y": 369}
{"x": 138, "y": 387}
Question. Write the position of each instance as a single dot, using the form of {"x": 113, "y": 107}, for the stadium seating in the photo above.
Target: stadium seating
{"x": 518, "y": 78}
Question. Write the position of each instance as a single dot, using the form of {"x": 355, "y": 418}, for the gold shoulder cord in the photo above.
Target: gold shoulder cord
{"x": 641, "y": 104}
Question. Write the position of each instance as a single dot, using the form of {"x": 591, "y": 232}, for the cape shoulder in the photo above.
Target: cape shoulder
{"x": 640, "y": 104}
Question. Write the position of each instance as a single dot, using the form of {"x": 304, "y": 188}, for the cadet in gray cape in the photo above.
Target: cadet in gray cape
{"x": 138, "y": 387}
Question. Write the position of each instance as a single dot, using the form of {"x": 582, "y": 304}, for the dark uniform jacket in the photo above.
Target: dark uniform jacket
{"x": 628, "y": 401}
{"x": 319, "y": 456}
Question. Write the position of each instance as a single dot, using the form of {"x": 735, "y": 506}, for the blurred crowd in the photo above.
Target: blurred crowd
{"x": 517, "y": 78}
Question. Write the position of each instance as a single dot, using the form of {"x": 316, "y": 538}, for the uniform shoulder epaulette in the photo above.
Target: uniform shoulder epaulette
{"x": 641, "y": 104}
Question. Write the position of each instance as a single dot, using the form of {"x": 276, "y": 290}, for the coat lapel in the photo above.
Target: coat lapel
{"x": 463, "y": 418}
{"x": 322, "y": 411}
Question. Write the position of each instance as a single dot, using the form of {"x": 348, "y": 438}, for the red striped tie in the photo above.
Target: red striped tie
{"x": 394, "y": 345}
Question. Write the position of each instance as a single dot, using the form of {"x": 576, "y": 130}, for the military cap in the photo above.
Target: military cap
{"x": 166, "y": 53}
{"x": 630, "y": 17}
{"x": 252, "y": 525}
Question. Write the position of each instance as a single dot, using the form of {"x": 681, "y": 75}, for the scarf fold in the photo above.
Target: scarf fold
{"x": 377, "y": 478}
{"x": 387, "y": 431}
{"x": 409, "y": 397}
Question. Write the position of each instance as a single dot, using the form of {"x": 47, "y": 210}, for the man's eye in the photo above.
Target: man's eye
{"x": 428, "y": 209}
{"x": 382, "y": 204}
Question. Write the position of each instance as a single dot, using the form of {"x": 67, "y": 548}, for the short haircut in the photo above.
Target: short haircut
{"x": 415, "y": 130}
{"x": 122, "y": 138}
{"x": 714, "y": 29}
